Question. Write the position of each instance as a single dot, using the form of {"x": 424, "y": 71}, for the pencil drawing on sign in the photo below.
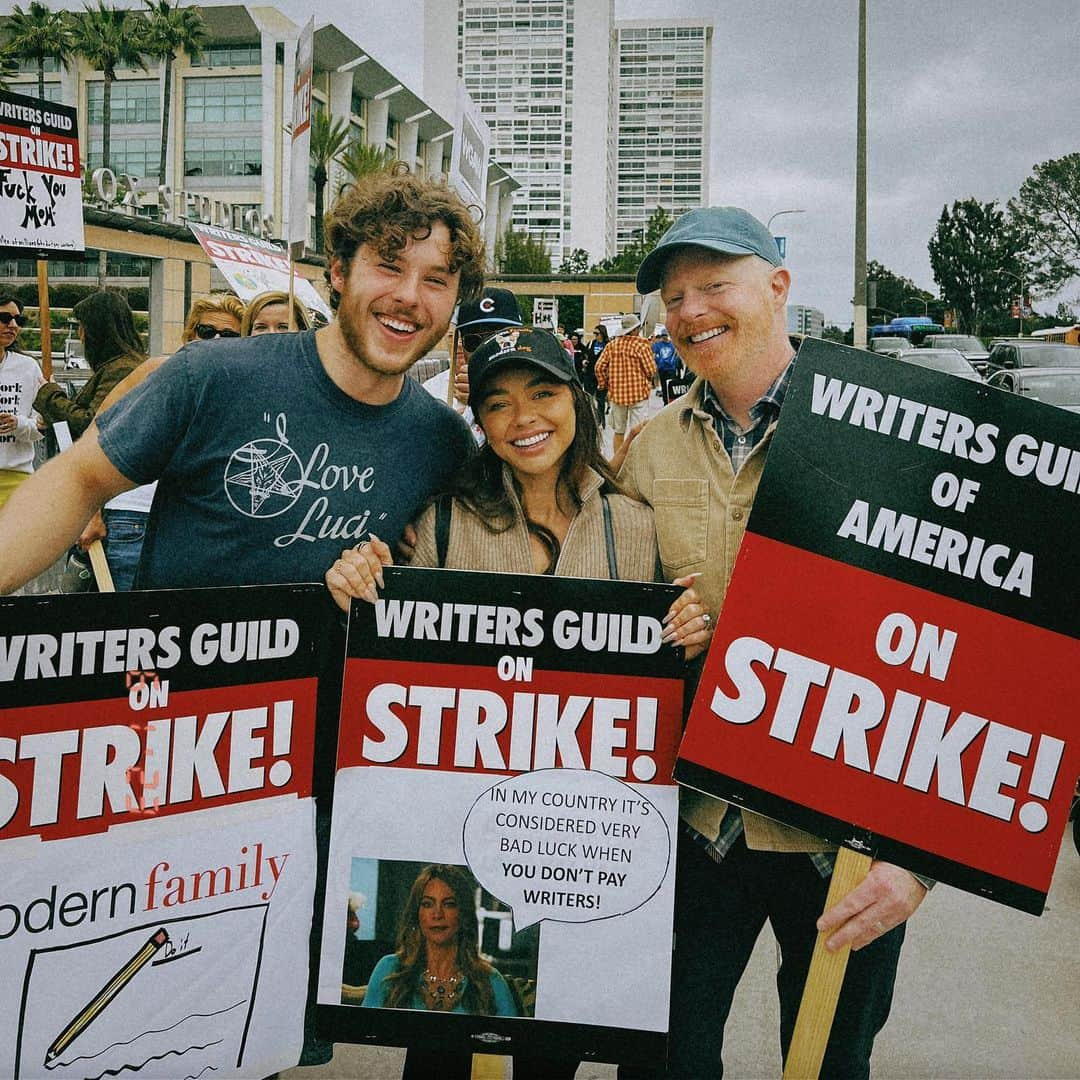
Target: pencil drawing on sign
{"x": 168, "y": 999}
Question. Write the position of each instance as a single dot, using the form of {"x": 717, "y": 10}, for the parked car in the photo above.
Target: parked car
{"x": 975, "y": 352}
{"x": 1053, "y": 386}
{"x": 950, "y": 361}
{"x": 1010, "y": 355}
{"x": 890, "y": 344}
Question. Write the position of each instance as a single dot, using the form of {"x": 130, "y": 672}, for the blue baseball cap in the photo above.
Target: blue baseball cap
{"x": 728, "y": 229}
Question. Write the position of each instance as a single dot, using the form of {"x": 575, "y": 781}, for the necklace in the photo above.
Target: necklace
{"x": 441, "y": 993}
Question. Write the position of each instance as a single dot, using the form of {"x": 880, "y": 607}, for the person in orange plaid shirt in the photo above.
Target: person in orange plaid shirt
{"x": 627, "y": 370}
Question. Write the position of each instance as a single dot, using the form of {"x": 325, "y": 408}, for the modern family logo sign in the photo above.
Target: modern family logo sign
{"x": 157, "y": 829}
{"x": 912, "y": 696}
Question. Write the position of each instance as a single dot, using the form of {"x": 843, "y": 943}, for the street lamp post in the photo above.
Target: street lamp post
{"x": 922, "y": 300}
{"x": 768, "y": 224}
{"x": 776, "y": 215}
{"x": 1023, "y": 293}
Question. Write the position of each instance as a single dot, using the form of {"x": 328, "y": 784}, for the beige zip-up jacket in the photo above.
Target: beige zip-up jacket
{"x": 584, "y": 553}
{"x": 678, "y": 465}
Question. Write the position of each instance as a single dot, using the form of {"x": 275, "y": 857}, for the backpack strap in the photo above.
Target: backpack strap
{"x": 443, "y": 509}
{"x": 609, "y": 540}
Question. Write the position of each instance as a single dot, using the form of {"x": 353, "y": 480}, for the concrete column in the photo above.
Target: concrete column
{"x": 340, "y": 101}
{"x": 408, "y": 134}
{"x": 378, "y": 122}
{"x": 166, "y": 304}
{"x": 433, "y": 159}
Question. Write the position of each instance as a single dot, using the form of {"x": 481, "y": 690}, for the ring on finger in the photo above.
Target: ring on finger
{"x": 706, "y": 618}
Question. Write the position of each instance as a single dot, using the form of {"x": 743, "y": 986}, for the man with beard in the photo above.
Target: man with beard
{"x": 698, "y": 463}
{"x": 274, "y": 452}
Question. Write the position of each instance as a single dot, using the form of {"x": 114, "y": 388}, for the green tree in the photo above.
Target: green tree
{"x": 834, "y": 333}
{"x": 39, "y": 34}
{"x": 172, "y": 30}
{"x": 520, "y": 253}
{"x": 329, "y": 134}
{"x": 1047, "y": 213}
{"x": 629, "y": 259}
{"x": 577, "y": 262}
{"x": 358, "y": 159}
{"x": 109, "y": 38}
{"x": 972, "y": 252}
{"x": 894, "y": 294}
{"x": 9, "y": 65}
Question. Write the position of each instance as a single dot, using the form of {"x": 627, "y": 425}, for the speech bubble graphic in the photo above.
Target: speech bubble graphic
{"x": 569, "y": 845}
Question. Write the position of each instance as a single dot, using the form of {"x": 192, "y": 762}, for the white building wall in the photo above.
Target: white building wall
{"x": 539, "y": 73}
{"x": 663, "y": 74}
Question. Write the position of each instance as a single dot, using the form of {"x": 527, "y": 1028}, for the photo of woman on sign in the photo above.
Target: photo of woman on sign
{"x": 437, "y": 964}
{"x": 539, "y": 498}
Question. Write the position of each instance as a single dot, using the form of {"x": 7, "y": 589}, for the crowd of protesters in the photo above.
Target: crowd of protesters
{"x": 404, "y": 255}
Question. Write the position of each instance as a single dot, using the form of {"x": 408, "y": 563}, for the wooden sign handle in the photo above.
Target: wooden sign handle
{"x": 44, "y": 320}
{"x": 824, "y": 979}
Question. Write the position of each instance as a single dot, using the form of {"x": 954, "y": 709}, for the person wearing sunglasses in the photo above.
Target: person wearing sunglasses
{"x": 20, "y": 379}
{"x": 496, "y": 309}
{"x": 215, "y": 316}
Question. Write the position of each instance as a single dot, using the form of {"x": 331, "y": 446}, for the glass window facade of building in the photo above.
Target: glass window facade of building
{"x": 134, "y": 126}
{"x": 210, "y": 103}
{"x": 662, "y": 123}
{"x": 230, "y": 55}
{"x": 516, "y": 58}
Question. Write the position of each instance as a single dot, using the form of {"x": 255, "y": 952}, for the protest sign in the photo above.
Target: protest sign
{"x": 300, "y": 146}
{"x": 252, "y": 266}
{"x": 469, "y": 156}
{"x": 896, "y": 660}
{"x": 520, "y": 733}
{"x": 40, "y": 178}
{"x": 157, "y": 830}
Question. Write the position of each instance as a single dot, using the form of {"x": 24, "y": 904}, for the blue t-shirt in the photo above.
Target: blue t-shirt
{"x": 266, "y": 468}
{"x": 375, "y": 998}
{"x": 664, "y": 354}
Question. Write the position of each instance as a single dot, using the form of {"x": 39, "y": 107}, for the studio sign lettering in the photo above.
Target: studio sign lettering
{"x": 109, "y": 191}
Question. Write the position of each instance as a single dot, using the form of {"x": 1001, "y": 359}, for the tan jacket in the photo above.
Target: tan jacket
{"x": 584, "y": 554}
{"x": 678, "y": 465}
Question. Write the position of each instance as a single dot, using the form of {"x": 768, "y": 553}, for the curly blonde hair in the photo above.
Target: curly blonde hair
{"x": 225, "y": 303}
{"x": 388, "y": 209}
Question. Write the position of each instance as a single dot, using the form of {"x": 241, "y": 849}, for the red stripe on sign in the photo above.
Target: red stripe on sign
{"x": 460, "y": 718}
{"x": 81, "y": 767}
{"x": 38, "y": 153}
{"x": 941, "y": 725}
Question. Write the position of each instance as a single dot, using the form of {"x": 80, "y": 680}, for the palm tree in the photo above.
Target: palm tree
{"x": 9, "y": 65}
{"x": 38, "y": 34}
{"x": 360, "y": 159}
{"x": 172, "y": 30}
{"x": 328, "y": 135}
{"x": 108, "y": 38}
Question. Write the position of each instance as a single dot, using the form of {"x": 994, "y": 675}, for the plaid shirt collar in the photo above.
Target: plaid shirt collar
{"x": 738, "y": 441}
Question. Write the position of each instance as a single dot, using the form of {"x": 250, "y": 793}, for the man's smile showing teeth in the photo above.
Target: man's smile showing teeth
{"x": 697, "y": 339}
{"x": 532, "y": 440}
{"x": 400, "y": 325}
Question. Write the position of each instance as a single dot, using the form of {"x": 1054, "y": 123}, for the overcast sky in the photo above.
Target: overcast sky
{"x": 963, "y": 98}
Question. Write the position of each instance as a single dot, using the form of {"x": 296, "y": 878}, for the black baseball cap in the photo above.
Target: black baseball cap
{"x": 494, "y": 308}
{"x": 527, "y": 345}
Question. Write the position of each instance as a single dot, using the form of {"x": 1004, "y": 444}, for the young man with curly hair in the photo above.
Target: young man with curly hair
{"x": 274, "y": 451}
